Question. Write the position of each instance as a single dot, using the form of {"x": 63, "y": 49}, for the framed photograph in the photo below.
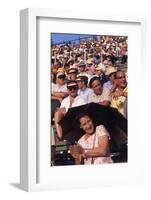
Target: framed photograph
{"x": 81, "y": 113}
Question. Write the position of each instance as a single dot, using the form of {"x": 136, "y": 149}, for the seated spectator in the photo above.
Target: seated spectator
{"x": 123, "y": 54}
{"x": 53, "y": 80}
{"x": 99, "y": 96}
{"x": 100, "y": 73}
{"x": 66, "y": 68}
{"x": 58, "y": 91}
{"x": 55, "y": 67}
{"x": 84, "y": 92}
{"x": 91, "y": 69}
{"x": 72, "y": 73}
{"x": 108, "y": 62}
{"x": 72, "y": 100}
{"x": 82, "y": 69}
{"x": 93, "y": 147}
{"x": 119, "y": 95}
{"x": 110, "y": 84}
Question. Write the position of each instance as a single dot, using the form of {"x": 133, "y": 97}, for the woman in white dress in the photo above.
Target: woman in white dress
{"x": 93, "y": 146}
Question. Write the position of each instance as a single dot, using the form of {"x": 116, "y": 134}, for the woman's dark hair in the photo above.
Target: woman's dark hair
{"x": 83, "y": 114}
{"x": 92, "y": 80}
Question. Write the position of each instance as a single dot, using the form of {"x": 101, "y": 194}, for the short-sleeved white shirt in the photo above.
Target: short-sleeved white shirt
{"x": 78, "y": 101}
{"x": 85, "y": 94}
{"x": 105, "y": 96}
{"x": 59, "y": 88}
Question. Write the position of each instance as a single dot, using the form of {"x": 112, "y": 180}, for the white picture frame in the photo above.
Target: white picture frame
{"x": 29, "y": 110}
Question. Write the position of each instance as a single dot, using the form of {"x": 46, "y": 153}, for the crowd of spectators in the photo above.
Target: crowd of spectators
{"x": 99, "y": 56}
{"x": 109, "y": 50}
{"x": 92, "y": 70}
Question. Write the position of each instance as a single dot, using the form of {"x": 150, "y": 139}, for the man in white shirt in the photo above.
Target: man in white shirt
{"x": 72, "y": 100}
{"x": 99, "y": 96}
{"x": 58, "y": 92}
{"x": 82, "y": 70}
{"x": 84, "y": 92}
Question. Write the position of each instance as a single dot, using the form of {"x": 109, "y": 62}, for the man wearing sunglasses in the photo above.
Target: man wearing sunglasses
{"x": 58, "y": 91}
{"x": 72, "y": 100}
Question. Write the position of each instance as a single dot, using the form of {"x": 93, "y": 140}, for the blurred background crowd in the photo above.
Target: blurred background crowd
{"x": 109, "y": 50}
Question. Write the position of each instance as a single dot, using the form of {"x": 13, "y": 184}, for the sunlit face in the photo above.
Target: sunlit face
{"x": 99, "y": 72}
{"x": 73, "y": 91}
{"x": 81, "y": 84}
{"x": 97, "y": 88}
{"x": 72, "y": 76}
{"x": 121, "y": 79}
{"x": 87, "y": 125}
{"x": 82, "y": 68}
{"x": 112, "y": 77}
{"x": 60, "y": 81}
{"x": 92, "y": 69}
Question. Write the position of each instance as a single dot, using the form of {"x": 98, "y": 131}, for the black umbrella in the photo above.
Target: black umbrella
{"x": 115, "y": 123}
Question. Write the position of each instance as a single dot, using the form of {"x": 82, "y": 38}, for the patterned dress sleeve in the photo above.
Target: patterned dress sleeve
{"x": 101, "y": 131}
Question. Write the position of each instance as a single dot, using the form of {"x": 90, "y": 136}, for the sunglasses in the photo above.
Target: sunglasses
{"x": 61, "y": 76}
{"x": 72, "y": 87}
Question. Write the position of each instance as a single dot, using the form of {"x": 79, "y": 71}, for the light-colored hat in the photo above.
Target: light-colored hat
{"x": 60, "y": 69}
{"x": 110, "y": 70}
{"x": 82, "y": 78}
{"x": 71, "y": 83}
{"x": 60, "y": 74}
{"x": 72, "y": 70}
{"x": 81, "y": 63}
{"x": 101, "y": 67}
